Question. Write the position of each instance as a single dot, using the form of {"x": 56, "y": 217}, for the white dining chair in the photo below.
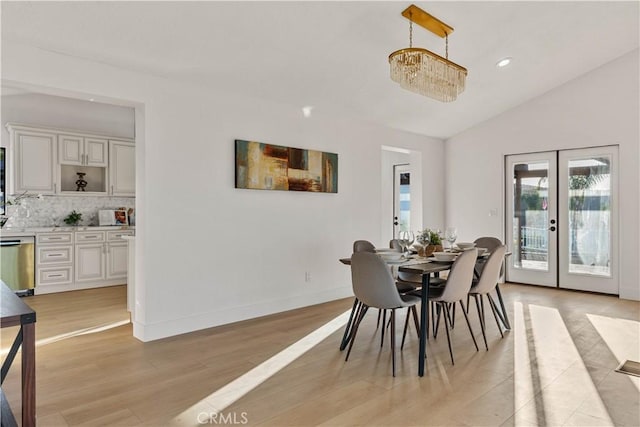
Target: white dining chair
{"x": 455, "y": 290}
{"x": 486, "y": 283}
{"x": 375, "y": 287}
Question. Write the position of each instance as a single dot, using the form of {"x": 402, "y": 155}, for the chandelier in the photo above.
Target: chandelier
{"x": 422, "y": 71}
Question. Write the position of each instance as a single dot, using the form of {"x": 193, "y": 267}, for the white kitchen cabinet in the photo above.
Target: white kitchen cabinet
{"x": 117, "y": 254}
{"x": 54, "y": 262}
{"x": 52, "y": 161}
{"x": 117, "y": 259}
{"x": 33, "y": 160}
{"x": 122, "y": 168}
{"x": 85, "y": 258}
{"x": 82, "y": 151}
{"x": 89, "y": 262}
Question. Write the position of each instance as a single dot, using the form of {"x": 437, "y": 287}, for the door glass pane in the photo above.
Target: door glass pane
{"x": 404, "y": 202}
{"x": 530, "y": 215}
{"x": 590, "y": 216}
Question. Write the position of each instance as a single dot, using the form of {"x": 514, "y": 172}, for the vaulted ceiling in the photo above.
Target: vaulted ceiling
{"x": 333, "y": 55}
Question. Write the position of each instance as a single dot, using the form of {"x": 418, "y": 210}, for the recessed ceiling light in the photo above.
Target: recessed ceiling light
{"x": 91, "y": 99}
{"x": 306, "y": 111}
{"x": 503, "y": 62}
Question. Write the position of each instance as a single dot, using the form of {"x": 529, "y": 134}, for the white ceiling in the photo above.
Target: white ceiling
{"x": 333, "y": 55}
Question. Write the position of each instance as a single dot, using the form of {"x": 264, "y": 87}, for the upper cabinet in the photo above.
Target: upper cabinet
{"x": 76, "y": 150}
{"x": 50, "y": 161}
{"x": 33, "y": 161}
{"x": 122, "y": 168}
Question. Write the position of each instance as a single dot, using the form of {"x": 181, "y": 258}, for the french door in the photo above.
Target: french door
{"x": 562, "y": 227}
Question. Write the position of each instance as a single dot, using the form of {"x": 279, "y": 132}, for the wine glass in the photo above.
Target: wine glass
{"x": 406, "y": 238}
{"x": 450, "y": 235}
{"x": 401, "y": 241}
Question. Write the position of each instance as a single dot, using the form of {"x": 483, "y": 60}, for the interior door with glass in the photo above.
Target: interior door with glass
{"x": 401, "y": 199}
{"x": 531, "y": 214}
{"x": 588, "y": 183}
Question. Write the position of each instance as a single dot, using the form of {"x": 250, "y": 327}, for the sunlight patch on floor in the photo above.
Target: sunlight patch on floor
{"x": 560, "y": 373}
{"x": 84, "y": 331}
{"x": 230, "y": 393}
{"x": 622, "y": 336}
{"x": 523, "y": 383}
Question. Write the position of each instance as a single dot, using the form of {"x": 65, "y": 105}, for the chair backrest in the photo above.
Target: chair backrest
{"x": 372, "y": 282}
{"x": 491, "y": 271}
{"x": 460, "y": 277}
{"x": 490, "y": 243}
{"x": 363, "y": 246}
{"x": 394, "y": 244}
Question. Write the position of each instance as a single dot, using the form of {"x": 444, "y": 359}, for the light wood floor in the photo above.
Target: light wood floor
{"x": 556, "y": 367}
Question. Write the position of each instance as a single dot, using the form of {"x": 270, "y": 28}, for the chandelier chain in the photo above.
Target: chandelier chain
{"x": 446, "y": 46}
{"x": 410, "y": 32}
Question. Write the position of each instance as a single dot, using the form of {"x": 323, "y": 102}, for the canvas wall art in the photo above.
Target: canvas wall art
{"x": 274, "y": 167}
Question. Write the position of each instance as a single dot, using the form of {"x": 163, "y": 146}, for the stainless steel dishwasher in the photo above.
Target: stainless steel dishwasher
{"x": 17, "y": 263}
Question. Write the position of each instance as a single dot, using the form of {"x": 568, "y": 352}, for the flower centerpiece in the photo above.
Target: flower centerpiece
{"x": 431, "y": 242}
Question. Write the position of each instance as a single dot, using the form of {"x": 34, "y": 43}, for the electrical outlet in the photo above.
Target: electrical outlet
{"x": 307, "y": 276}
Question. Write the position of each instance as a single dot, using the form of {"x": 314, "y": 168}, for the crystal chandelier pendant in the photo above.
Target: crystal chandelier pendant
{"x": 422, "y": 71}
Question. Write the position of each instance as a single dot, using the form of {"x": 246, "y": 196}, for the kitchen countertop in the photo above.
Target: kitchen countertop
{"x": 31, "y": 231}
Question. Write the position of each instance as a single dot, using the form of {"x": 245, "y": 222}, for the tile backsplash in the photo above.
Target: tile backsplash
{"x": 51, "y": 210}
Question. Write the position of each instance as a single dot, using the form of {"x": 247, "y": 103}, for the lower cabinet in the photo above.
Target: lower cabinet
{"x": 117, "y": 260}
{"x": 80, "y": 260}
{"x": 89, "y": 262}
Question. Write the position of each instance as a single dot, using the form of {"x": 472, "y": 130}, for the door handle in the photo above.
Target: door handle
{"x": 395, "y": 222}
{"x": 552, "y": 228}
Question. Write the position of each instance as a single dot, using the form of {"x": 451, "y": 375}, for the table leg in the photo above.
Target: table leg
{"x": 423, "y": 324}
{"x": 29, "y": 375}
{"x": 504, "y": 317}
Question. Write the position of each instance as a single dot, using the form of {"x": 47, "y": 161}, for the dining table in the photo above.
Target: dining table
{"x": 14, "y": 312}
{"x": 426, "y": 267}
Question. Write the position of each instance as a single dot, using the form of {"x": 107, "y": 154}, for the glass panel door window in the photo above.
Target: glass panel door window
{"x": 531, "y": 215}
{"x": 588, "y": 190}
{"x": 402, "y": 199}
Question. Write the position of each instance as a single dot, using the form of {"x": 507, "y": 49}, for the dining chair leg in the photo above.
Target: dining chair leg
{"x": 447, "y": 312}
{"x": 466, "y": 317}
{"x": 349, "y": 326}
{"x": 468, "y": 299}
{"x": 379, "y": 314}
{"x": 446, "y": 328}
{"x": 416, "y": 322}
{"x": 452, "y": 319}
{"x": 481, "y": 319}
{"x": 393, "y": 341}
{"x": 404, "y": 331}
{"x": 363, "y": 311}
{"x": 437, "y": 322}
{"x": 434, "y": 309}
{"x": 495, "y": 315}
{"x": 384, "y": 323}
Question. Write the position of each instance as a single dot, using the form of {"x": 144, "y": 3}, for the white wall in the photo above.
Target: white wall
{"x": 599, "y": 108}
{"x": 207, "y": 253}
{"x": 66, "y": 113}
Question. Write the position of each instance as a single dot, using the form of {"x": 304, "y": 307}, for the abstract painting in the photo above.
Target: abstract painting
{"x": 262, "y": 166}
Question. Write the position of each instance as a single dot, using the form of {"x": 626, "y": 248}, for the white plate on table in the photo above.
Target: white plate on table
{"x": 397, "y": 261}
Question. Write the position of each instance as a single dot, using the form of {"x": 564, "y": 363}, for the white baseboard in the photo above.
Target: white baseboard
{"x": 155, "y": 331}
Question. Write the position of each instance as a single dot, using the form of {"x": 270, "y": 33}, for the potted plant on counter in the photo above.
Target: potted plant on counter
{"x": 73, "y": 218}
